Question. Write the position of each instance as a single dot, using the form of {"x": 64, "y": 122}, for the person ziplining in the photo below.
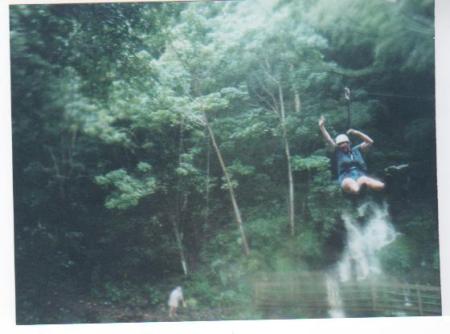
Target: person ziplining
{"x": 351, "y": 167}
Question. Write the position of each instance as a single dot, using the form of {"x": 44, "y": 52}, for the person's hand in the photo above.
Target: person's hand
{"x": 321, "y": 121}
{"x": 351, "y": 131}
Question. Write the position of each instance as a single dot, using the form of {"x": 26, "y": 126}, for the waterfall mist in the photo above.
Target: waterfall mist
{"x": 367, "y": 234}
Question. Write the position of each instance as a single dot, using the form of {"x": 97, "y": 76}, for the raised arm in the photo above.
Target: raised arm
{"x": 325, "y": 133}
{"x": 367, "y": 141}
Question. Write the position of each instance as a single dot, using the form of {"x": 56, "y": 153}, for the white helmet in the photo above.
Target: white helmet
{"x": 342, "y": 139}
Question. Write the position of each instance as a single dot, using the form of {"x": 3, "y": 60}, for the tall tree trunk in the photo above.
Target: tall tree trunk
{"x": 297, "y": 103}
{"x": 179, "y": 240}
{"x": 237, "y": 212}
{"x": 297, "y": 109}
{"x": 181, "y": 202}
{"x": 291, "y": 208}
{"x": 208, "y": 168}
{"x": 60, "y": 179}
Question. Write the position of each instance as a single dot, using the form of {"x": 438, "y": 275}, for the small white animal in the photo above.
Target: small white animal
{"x": 175, "y": 298}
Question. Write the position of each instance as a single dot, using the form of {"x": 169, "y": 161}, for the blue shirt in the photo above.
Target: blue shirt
{"x": 352, "y": 159}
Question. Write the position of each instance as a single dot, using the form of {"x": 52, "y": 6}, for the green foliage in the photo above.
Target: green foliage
{"x": 154, "y": 295}
{"x": 237, "y": 168}
{"x": 311, "y": 163}
{"x": 129, "y": 190}
{"x": 397, "y": 257}
{"x": 307, "y": 246}
{"x": 114, "y": 293}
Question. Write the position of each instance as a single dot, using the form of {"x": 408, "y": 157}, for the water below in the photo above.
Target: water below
{"x": 367, "y": 233}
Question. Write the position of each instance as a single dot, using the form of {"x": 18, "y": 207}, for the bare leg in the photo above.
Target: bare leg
{"x": 350, "y": 186}
{"x": 370, "y": 183}
{"x": 172, "y": 311}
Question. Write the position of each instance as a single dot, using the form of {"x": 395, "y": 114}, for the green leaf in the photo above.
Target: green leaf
{"x": 311, "y": 163}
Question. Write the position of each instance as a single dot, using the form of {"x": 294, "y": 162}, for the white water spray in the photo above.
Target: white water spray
{"x": 334, "y": 299}
{"x": 365, "y": 237}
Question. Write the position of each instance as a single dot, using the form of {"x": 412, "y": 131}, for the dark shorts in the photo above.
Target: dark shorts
{"x": 354, "y": 174}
